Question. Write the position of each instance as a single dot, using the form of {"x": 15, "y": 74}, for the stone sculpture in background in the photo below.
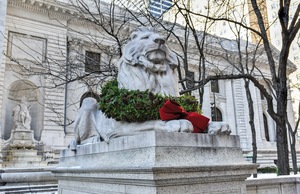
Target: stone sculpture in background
{"x": 22, "y": 136}
{"x": 21, "y": 116}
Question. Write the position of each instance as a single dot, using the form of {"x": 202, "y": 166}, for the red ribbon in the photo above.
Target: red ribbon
{"x": 172, "y": 110}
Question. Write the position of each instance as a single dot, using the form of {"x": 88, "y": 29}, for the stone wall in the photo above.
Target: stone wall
{"x": 274, "y": 185}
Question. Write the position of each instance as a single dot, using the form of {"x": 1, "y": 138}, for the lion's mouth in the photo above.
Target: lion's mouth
{"x": 156, "y": 56}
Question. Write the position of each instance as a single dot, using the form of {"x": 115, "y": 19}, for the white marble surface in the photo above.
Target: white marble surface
{"x": 148, "y": 64}
{"x": 3, "y": 5}
{"x": 156, "y": 162}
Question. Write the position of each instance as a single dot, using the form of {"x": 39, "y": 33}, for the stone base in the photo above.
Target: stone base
{"x": 21, "y": 138}
{"x": 23, "y": 158}
{"x": 21, "y": 150}
{"x": 27, "y": 180}
{"x": 156, "y": 162}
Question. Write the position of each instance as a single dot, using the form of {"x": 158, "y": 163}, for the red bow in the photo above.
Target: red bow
{"x": 171, "y": 110}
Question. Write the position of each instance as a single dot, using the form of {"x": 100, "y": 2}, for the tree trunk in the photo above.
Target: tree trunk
{"x": 282, "y": 151}
{"x": 281, "y": 132}
{"x": 292, "y": 135}
{"x": 251, "y": 122}
{"x": 281, "y": 94}
{"x": 294, "y": 154}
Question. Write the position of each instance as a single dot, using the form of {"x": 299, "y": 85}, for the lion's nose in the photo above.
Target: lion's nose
{"x": 159, "y": 41}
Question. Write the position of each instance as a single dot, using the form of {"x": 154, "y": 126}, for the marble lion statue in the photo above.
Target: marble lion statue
{"x": 147, "y": 63}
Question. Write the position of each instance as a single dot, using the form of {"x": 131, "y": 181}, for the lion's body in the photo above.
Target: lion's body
{"x": 146, "y": 64}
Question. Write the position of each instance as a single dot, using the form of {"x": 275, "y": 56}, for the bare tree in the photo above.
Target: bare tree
{"x": 278, "y": 71}
{"x": 112, "y": 23}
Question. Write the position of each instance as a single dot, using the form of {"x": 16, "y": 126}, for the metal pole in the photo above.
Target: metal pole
{"x": 215, "y": 108}
{"x": 66, "y": 87}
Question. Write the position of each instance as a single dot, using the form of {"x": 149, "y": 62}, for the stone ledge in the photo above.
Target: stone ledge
{"x": 274, "y": 185}
{"x": 178, "y": 175}
{"x": 26, "y": 176}
{"x": 274, "y": 180}
{"x": 155, "y": 149}
{"x": 50, "y": 188}
{"x": 158, "y": 139}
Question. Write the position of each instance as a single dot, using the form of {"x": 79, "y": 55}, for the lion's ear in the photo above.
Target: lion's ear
{"x": 172, "y": 59}
{"x": 130, "y": 53}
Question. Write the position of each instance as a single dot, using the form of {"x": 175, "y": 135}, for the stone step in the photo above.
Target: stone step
{"x": 22, "y": 152}
{"x": 19, "y": 164}
{"x": 24, "y": 158}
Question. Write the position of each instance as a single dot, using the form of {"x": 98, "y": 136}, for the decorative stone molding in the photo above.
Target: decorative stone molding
{"x": 55, "y": 9}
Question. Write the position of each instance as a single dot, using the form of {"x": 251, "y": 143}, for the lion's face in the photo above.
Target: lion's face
{"x": 148, "y": 64}
{"x": 148, "y": 49}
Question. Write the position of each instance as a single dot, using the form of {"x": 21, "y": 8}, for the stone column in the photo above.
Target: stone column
{"x": 3, "y": 6}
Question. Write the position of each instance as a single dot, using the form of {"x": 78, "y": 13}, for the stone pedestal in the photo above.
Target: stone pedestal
{"x": 23, "y": 158}
{"x": 21, "y": 150}
{"x": 156, "y": 162}
{"x": 21, "y": 138}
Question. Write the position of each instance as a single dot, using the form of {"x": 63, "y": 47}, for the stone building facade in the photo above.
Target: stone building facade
{"x": 42, "y": 38}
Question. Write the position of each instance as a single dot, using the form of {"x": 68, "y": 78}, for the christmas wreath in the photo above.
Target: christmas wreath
{"x": 138, "y": 106}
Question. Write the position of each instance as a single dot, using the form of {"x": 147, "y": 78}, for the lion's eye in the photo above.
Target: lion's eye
{"x": 145, "y": 37}
{"x": 134, "y": 36}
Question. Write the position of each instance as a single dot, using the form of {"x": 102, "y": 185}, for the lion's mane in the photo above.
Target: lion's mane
{"x": 147, "y": 63}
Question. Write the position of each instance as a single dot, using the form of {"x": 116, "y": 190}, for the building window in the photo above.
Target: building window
{"x": 266, "y": 127}
{"x": 214, "y": 86}
{"x": 190, "y": 79}
{"x": 216, "y": 114}
{"x": 92, "y": 62}
{"x": 24, "y": 47}
{"x": 158, "y": 7}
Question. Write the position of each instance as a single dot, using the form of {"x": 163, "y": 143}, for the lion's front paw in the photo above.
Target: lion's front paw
{"x": 186, "y": 126}
{"x": 181, "y": 125}
{"x": 219, "y": 128}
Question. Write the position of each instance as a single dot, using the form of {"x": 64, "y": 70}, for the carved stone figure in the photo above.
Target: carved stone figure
{"x": 219, "y": 128}
{"x": 21, "y": 116}
{"x": 147, "y": 64}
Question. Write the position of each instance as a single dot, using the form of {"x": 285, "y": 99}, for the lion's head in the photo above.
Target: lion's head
{"x": 148, "y": 64}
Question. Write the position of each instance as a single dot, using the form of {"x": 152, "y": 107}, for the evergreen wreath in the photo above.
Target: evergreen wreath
{"x": 138, "y": 106}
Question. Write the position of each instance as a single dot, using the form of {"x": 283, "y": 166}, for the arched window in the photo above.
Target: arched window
{"x": 266, "y": 128}
{"x": 216, "y": 114}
